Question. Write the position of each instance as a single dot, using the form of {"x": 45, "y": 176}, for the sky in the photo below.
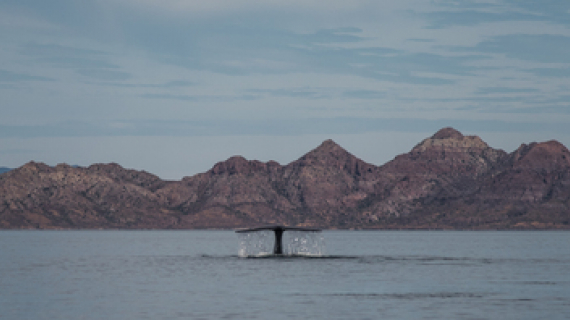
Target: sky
{"x": 174, "y": 86}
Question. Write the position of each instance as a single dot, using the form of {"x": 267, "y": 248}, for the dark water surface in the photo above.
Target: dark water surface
{"x": 366, "y": 275}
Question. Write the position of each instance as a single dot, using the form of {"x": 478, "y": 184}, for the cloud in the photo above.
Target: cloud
{"x": 235, "y": 49}
{"x": 558, "y": 99}
{"x": 243, "y": 45}
{"x": 489, "y": 103}
{"x": 177, "y": 84}
{"x": 494, "y": 90}
{"x": 306, "y": 93}
{"x": 271, "y": 68}
{"x": 270, "y": 127}
{"x": 200, "y": 98}
{"x": 544, "y": 48}
{"x": 104, "y": 74}
{"x": 562, "y": 109}
{"x": 250, "y": 41}
{"x": 421, "y": 40}
{"x": 550, "y": 72}
{"x": 90, "y": 63}
{"x": 165, "y": 96}
{"x": 8, "y": 76}
{"x": 364, "y": 94}
{"x": 233, "y": 7}
{"x": 553, "y": 11}
{"x": 174, "y": 84}
{"x": 15, "y": 151}
{"x": 471, "y": 13}
{"x": 446, "y": 19}
{"x": 376, "y": 63}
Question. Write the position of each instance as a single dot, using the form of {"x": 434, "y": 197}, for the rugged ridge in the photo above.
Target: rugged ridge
{"x": 447, "y": 181}
{"x": 36, "y": 195}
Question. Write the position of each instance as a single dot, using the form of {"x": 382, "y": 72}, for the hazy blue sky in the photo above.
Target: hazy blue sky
{"x": 173, "y": 86}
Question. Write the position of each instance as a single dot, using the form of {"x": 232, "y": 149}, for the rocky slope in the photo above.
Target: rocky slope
{"x": 530, "y": 189}
{"x": 36, "y": 195}
{"x": 448, "y": 181}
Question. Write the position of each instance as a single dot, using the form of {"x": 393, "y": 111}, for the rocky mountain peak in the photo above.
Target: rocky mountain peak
{"x": 327, "y": 149}
{"x": 550, "y": 154}
{"x": 448, "y": 152}
{"x": 447, "y": 181}
{"x": 451, "y": 139}
{"x": 238, "y": 165}
{"x": 326, "y": 154}
{"x": 63, "y": 166}
{"x": 121, "y": 174}
{"x": 447, "y": 133}
{"x": 105, "y": 166}
{"x": 33, "y": 167}
{"x": 331, "y": 155}
{"x": 329, "y": 143}
{"x": 553, "y": 147}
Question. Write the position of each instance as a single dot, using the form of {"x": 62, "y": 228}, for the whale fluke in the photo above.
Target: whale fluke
{"x": 278, "y": 230}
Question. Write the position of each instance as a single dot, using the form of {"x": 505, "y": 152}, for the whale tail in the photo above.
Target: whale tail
{"x": 278, "y": 231}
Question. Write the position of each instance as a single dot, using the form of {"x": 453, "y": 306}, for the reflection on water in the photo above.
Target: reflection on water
{"x": 295, "y": 243}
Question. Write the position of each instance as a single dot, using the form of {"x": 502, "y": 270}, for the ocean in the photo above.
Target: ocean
{"x": 361, "y": 275}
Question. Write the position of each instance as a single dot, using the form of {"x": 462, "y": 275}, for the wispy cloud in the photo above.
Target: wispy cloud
{"x": 165, "y": 96}
{"x": 472, "y": 12}
{"x": 307, "y": 93}
{"x": 272, "y": 127}
{"x": 66, "y": 56}
{"x": 544, "y": 48}
{"x": 90, "y": 63}
{"x": 8, "y": 76}
{"x": 561, "y": 109}
{"x": 174, "y": 84}
{"x": 214, "y": 68}
{"x": 196, "y": 98}
{"x": 104, "y": 74}
{"x": 494, "y": 90}
{"x": 13, "y": 151}
{"x": 550, "y": 72}
{"x": 364, "y": 94}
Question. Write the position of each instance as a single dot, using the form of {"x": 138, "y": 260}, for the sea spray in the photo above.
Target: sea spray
{"x": 295, "y": 243}
{"x": 304, "y": 243}
{"x": 255, "y": 244}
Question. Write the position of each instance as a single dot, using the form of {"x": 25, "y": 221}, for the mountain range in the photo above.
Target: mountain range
{"x": 447, "y": 181}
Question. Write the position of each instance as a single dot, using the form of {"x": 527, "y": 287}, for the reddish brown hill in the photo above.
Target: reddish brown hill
{"x": 327, "y": 185}
{"x": 446, "y": 181}
{"x": 121, "y": 175}
{"x": 234, "y": 193}
{"x": 317, "y": 189}
{"x": 36, "y": 195}
{"x": 533, "y": 173}
{"x": 446, "y": 162}
{"x": 529, "y": 188}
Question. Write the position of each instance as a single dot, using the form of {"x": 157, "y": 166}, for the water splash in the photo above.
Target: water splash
{"x": 255, "y": 244}
{"x": 295, "y": 243}
{"x": 304, "y": 243}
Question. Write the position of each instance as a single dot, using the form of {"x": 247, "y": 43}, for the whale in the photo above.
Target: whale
{"x": 278, "y": 231}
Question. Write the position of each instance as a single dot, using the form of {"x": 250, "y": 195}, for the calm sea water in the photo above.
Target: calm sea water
{"x": 365, "y": 275}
